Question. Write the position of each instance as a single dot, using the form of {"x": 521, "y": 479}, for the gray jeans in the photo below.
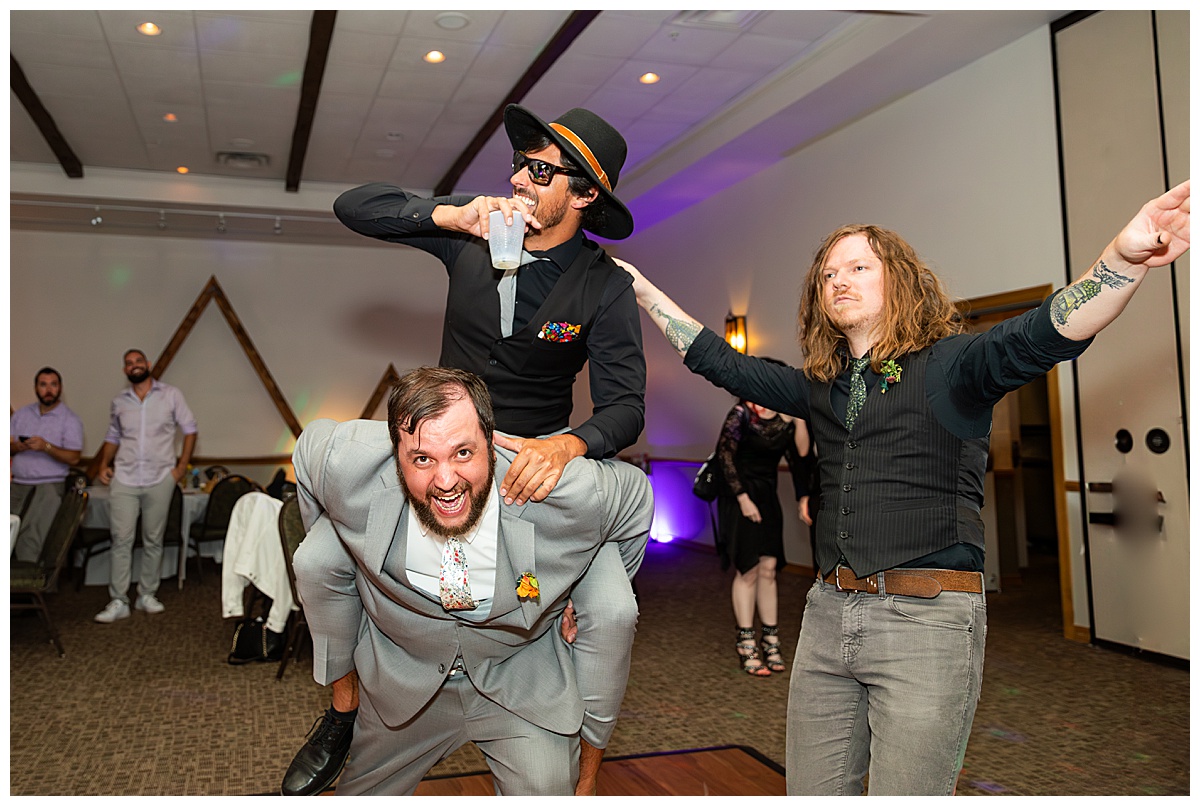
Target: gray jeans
{"x": 44, "y": 500}
{"x": 884, "y": 686}
{"x": 124, "y": 503}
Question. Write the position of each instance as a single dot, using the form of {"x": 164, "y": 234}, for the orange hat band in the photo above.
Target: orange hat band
{"x": 585, "y": 151}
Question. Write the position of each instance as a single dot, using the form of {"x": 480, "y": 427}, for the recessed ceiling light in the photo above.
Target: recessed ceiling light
{"x": 435, "y": 57}
{"x": 182, "y": 169}
{"x": 649, "y": 78}
{"x": 170, "y": 117}
{"x": 451, "y": 21}
{"x": 395, "y": 137}
{"x": 149, "y": 29}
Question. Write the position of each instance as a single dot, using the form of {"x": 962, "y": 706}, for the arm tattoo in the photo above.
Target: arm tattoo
{"x": 679, "y": 333}
{"x": 1108, "y": 277}
{"x": 1072, "y": 298}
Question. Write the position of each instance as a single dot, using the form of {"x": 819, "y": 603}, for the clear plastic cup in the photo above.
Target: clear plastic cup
{"x": 504, "y": 240}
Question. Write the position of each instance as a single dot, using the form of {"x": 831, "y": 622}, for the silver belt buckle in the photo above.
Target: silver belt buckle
{"x": 837, "y": 577}
{"x": 457, "y": 667}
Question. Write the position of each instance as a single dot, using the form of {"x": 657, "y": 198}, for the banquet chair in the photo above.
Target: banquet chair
{"x": 30, "y": 581}
{"x": 216, "y": 516}
{"x": 291, "y": 532}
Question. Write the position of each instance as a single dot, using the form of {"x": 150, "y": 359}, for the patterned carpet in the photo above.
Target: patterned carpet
{"x": 148, "y": 706}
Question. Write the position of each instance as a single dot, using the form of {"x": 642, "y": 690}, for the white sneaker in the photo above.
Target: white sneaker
{"x": 149, "y": 604}
{"x": 116, "y": 610}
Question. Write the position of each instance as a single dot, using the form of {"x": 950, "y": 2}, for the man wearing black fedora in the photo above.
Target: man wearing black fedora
{"x": 528, "y": 333}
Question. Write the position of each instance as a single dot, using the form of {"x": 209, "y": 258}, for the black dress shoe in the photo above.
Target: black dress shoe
{"x": 319, "y": 763}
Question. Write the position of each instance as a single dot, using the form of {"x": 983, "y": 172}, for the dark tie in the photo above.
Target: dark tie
{"x": 453, "y": 585}
{"x": 858, "y": 390}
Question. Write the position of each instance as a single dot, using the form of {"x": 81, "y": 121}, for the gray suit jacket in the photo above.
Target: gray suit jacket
{"x": 365, "y": 615}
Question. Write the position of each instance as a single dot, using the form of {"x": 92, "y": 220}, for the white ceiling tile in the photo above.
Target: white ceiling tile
{"x": 528, "y": 29}
{"x": 682, "y": 45}
{"x": 343, "y": 107}
{"x": 801, "y": 25}
{"x": 134, "y": 58}
{"x": 231, "y": 33}
{"x": 178, "y": 27}
{"x": 84, "y": 24}
{"x": 503, "y": 62}
{"x": 432, "y": 86}
{"x": 614, "y": 36}
{"x": 253, "y": 98}
{"x": 478, "y": 29}
{"x": 611, "y": 103}
{"x": 357, "y": 48}
{"x": 252, "y": 68}
{"x": 671, "y": 77}
{"x": 387, "y": 23}
{"x": 351, "y": 79}
{"x": 714, "y": 84}
{"x": 409, "y": 56}
{"x": 74, "y": 82}
{"x": 165, "y": 90}
{"x": 584, "y": 69}
{"x": 411, "y": 117}
{"x": 66, "y": 51}
{"x": 764, "y": 53}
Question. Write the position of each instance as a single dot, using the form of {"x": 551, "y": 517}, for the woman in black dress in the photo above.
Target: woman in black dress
{"x": 750, "y": 520}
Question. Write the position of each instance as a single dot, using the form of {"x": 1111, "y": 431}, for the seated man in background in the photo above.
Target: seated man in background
{"x": 443, "y": 598}
{"x": 45, "y": 439}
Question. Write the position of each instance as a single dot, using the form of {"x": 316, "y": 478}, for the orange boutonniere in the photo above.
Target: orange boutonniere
{"x": 527, "y": 587}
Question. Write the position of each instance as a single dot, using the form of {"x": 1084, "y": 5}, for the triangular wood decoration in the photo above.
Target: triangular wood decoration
{"x": 213, "y": 291}
{"x": 390, "y": 376}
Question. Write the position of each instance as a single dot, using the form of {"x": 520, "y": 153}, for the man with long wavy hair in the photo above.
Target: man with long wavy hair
{"x": 899, "y": 399}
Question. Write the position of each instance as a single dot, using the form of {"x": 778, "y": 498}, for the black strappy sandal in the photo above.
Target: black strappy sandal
{"x": 751, "y": 663}
{"x": 771, "y": 650}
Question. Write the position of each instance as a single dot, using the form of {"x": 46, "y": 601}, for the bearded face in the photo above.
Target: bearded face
{"x": 447, "y": 469}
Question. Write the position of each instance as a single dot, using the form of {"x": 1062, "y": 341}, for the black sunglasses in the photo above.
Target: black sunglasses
{"x": 540, "y": 173}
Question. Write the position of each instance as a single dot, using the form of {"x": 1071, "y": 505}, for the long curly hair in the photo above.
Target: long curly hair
{"x": 917, "y": 311}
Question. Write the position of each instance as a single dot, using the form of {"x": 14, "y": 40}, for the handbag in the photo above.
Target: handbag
{"x": 707, "y": 479}
{"x": 252, "y": 641}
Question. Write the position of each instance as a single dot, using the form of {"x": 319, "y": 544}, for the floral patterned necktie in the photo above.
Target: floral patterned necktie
{"x": 858, "y": 390}
{"x": 453, "y": 585}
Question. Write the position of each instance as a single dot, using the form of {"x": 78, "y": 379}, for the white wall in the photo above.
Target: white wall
{"x": 327, "y": 321}
{"x": 965, "y": 169}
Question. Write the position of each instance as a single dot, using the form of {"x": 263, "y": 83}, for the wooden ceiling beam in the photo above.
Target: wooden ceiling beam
{"x": 44, "y": 121}
{"x": 319, "y": 37}
{"x": 557, "y": 46}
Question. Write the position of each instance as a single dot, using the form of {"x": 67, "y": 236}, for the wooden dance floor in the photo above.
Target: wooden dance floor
{"x": 707, "y": 771}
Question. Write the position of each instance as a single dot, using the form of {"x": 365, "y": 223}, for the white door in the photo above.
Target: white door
{"x": 1132, "y": 431}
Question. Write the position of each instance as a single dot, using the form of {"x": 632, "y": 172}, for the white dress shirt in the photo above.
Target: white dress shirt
{"x": 423, "y": 562}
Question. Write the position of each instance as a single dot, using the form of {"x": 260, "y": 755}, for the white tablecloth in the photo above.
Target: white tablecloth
{"x": 173, "y": 561}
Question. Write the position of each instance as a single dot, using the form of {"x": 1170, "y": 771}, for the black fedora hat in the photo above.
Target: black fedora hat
{"x": 596, "y": 147}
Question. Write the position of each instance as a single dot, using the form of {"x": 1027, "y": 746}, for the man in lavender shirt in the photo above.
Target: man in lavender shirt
{"x": 141, "y": 434}
{"x": 45, "y": 439}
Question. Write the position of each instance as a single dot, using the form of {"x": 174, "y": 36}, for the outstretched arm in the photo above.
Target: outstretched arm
{"x": 679, "y": 328}
{"x": 1157, "y": 236}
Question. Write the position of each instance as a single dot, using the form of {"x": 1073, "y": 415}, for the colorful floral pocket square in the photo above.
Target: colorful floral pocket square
{"x": 560, "y": 331}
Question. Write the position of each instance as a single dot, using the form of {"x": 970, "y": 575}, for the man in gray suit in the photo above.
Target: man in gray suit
{"x": 443, "y": 598}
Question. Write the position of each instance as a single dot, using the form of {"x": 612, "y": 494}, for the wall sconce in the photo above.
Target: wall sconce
{"x": 735, "y": 332}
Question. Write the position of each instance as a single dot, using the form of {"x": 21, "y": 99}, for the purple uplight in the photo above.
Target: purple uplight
{"x": 678, "y": 515}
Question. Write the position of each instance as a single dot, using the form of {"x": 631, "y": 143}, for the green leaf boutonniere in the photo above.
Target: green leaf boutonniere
{"x": 527, "y": 587}
{"x": 891, "y": 374}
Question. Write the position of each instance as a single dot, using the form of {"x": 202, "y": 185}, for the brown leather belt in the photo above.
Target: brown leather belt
{"x": 923, "y": 583}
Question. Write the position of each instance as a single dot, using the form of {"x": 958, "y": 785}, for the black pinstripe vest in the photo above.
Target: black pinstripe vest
{"x": 899, "y": 486}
